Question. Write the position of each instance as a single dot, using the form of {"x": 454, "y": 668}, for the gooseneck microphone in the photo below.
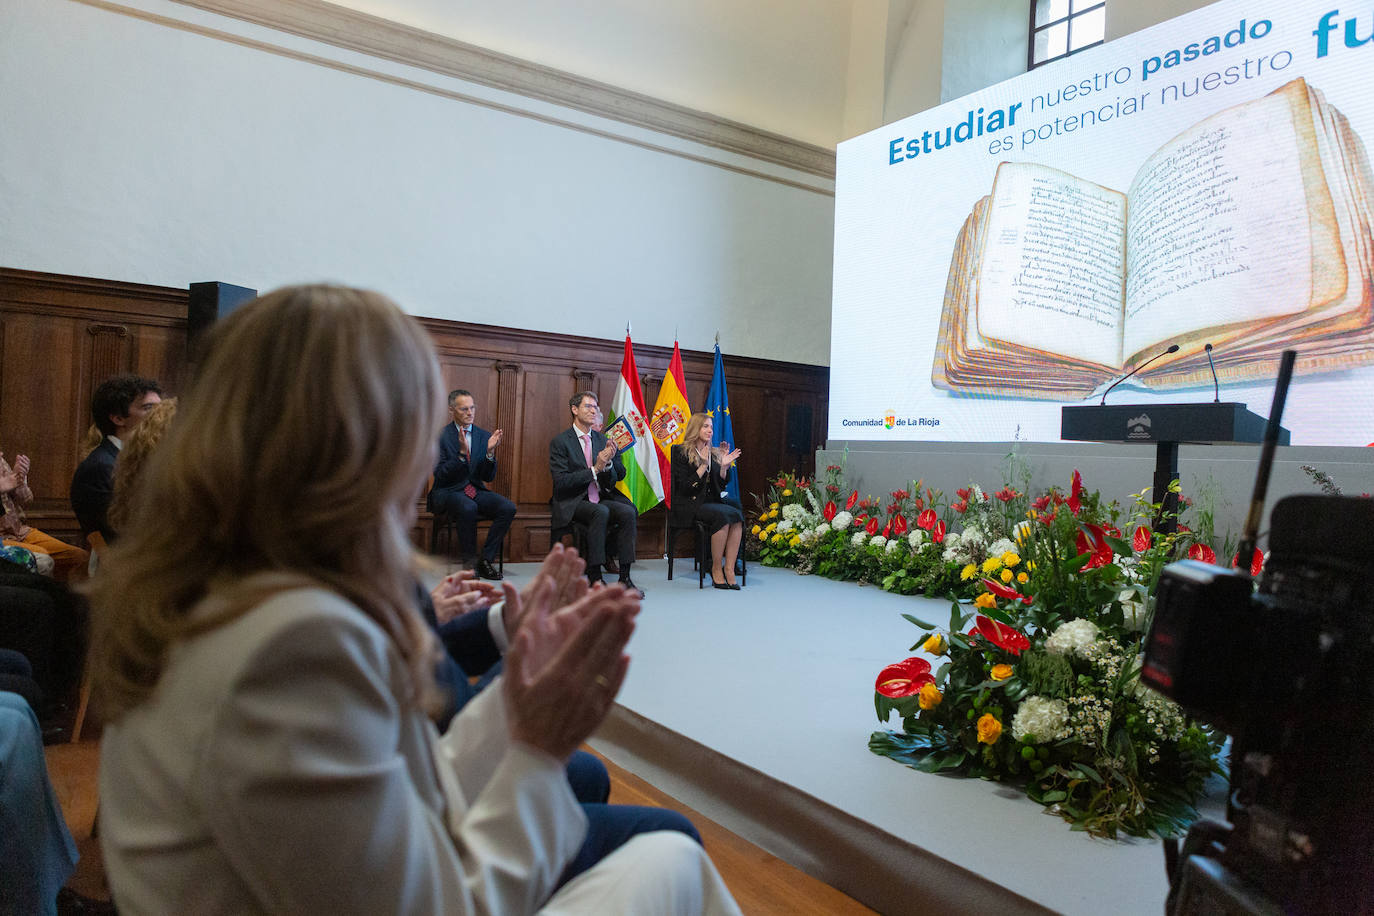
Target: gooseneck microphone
{"x": 1216, "y": 386}
{"x": 1173, "y": 348}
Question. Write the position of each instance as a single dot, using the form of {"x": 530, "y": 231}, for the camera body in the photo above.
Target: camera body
{"x": 1288, "y": 672}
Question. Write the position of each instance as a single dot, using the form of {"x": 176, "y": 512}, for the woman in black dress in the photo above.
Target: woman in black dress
{"x": 699, "y": 472}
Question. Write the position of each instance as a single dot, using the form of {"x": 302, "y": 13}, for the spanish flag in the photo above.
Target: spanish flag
{"x": 669, "y": 419}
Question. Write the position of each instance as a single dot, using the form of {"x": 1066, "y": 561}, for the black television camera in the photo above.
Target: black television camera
{"x": 1288, "y": 672}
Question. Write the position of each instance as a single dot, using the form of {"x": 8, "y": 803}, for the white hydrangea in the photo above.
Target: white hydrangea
{"x": 892, "y": 545}
{"x": 1002, "y": 546}
{"x": 1132, "y": 610}
{"x": 822, "y": 529}
{"x": 841, "y": 520}
{"x": 917, "y": 538}
{"x": 878, "y": 541}
{"x": 973, "y": 535}
{"x": 1073, "y": 638}
{"x": 793, "y": 511}
{"x": 1041, "y": 719}
{"x": 859, "y": 538}
{"x": 784, "y": 525}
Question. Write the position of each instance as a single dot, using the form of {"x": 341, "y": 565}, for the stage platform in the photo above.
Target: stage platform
{"x": 755, "y": 707}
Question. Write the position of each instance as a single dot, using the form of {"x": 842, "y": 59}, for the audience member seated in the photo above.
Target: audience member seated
{"x": 14, "y": 494}
{"x": 585, "y": 469}
{"x": 37, "y": 854}
{"x": 133, "y": 457}
{"x": 265, "y": 675}
{"x": 467, "y": 463}
{"x": 118, "y": 405}
{"x": 45, "y": 622}
{"x": 699, "y": 474}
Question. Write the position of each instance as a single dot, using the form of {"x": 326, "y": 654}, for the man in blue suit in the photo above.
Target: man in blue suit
{"x": 467, "y": 463}
{"x": 119, "y": 404}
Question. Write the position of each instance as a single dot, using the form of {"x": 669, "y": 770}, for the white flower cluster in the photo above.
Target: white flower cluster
{"x": 917, "y": 538}
{"x": 972, "y": 536}
{"x": 841, "y": 520}
{"x": 878, "y": 541}
{"x": 1164, "y": 716}
{"x": 1132, "y": 610}
{"x": 859, "y": 538}
{"x": 1090, "y": 718}
{"x": 892, "y": 545}
{"x": 1041, "y": 719}
{"x": 978, "y": 494}
{"x": 1073, "y": 638}
{"x": 784, "y": 525}
{"x": 1002, "y": 546}
{"x": 793, "y": 511}
{"x": 821, "y": 530}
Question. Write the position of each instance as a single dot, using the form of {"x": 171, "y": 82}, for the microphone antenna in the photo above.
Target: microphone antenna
{"x": 1173, "y": 348}
{"x": 1216, "y": 386}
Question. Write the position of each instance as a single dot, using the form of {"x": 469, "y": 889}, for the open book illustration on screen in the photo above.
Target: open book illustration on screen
{"x": 1250, "y": 231}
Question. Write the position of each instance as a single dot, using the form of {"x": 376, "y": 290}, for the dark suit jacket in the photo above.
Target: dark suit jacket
{"x": 571, "y": 474}
{"x": 92, "y": 488}
{"x": 452, "y": 472}
{"x": 690, "y": 491}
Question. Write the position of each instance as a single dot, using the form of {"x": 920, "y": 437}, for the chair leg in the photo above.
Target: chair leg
{"x": 703, "y": 560}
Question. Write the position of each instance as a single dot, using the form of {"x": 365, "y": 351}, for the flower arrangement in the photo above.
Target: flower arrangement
{"x": 1038, "y": 682}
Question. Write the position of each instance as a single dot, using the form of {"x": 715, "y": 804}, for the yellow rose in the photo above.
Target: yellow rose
{"x": 989, "y": 729}
{"x": 1006, "y": 576}
{"x": 786, "y": 492}
{"x": 1001, "y": 672}
{"x": 774, "y": 513}
{"x": 763, "y": 535}
{"x": 992, "y": 564}
{"x": 796, "y": 539}
{"x": 771, "y": 526}
{"x": 985, "y": 600}
{"x": 930, "y": 696}
{"x": 1010, "y": 559}
{"x": 773, "y": 506}
{"x": 968, "y": 572}
{"x": 755, "y": 530}
{"x": 777, "y": 539}
{"x": 1022, "y": 578}
{"x": 934, "y": 644}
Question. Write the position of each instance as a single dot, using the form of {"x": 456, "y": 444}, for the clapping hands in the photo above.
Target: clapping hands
{"x": 460, "y": 592}
{"x": 725, "y": 456}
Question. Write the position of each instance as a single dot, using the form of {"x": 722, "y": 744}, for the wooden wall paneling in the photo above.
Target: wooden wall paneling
{"x": 506, "y": 416}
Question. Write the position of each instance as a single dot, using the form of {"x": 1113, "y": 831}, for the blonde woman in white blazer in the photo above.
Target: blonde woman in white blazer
{"x": 266, "y": 679}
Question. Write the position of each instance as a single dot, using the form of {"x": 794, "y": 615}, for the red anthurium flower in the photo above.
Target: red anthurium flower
{"x": 1092, "y": 539}
{"x": 961, "y": 506}
{"x": 1144, "y": 537}
{"x": 1002, "y": 636}
{"x": 899, "y": 525}
{"x": 1256, "y": 562}
{"x": 1001, "y": 590}
{"x": 887, "y": 529}
{"x": 853, "y": 498}
{"x": 1041, "y": 504}
{"x": 828, "y": 513}
{"x": 872, "y": 526}
{"x": 905, "y": 678}
{"x": 926, "y": 519}
{"x": 1202, "y": 552}
{"x": 937, "y": 534}
{"x": 1075, "y": 491}
{"x": 1006, "y": 494}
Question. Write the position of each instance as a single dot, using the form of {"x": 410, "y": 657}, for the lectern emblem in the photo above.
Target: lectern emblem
{"x": 1138, "y": 427}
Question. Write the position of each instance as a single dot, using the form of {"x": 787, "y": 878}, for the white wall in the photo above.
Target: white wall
{"x": 775, "y": 64}
{"x": 138, "y": 150}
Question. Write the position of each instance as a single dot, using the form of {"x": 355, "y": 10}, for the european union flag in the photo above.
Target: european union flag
{"x": 718, "y": 407}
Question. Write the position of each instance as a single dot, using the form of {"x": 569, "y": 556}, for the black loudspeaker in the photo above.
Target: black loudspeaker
{"x": 210, "y": 302}
{"x": 799, "y": 428}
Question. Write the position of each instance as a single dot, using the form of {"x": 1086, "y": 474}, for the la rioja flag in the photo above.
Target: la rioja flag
{"x": 643, "y": 482}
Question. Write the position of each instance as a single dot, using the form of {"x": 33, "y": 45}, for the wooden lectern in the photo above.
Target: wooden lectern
{"x": 1166, "y": 425}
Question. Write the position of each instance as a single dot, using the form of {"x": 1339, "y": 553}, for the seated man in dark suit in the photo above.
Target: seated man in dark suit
{"x": 119, "y": 404}
{"x": 585, "y": 469}
{"x": 467, "y": 463}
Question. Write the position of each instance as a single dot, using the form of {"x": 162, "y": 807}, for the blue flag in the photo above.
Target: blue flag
{"x": 718, "y": 407}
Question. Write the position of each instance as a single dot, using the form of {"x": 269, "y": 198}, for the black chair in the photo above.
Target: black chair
{"x": 446, "y": 533}
{"x": 701, "y": 557}
{"x": 577, "y": 529}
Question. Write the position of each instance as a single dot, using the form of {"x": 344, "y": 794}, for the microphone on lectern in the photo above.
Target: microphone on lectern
{"x": 1173, "y": 348}
{"x": 1216, "y": 386}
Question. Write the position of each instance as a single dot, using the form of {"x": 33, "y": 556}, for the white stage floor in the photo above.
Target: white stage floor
{"x": 773, "y": 688}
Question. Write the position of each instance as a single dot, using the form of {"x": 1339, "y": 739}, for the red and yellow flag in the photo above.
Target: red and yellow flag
{"x": 668, "y": 422}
